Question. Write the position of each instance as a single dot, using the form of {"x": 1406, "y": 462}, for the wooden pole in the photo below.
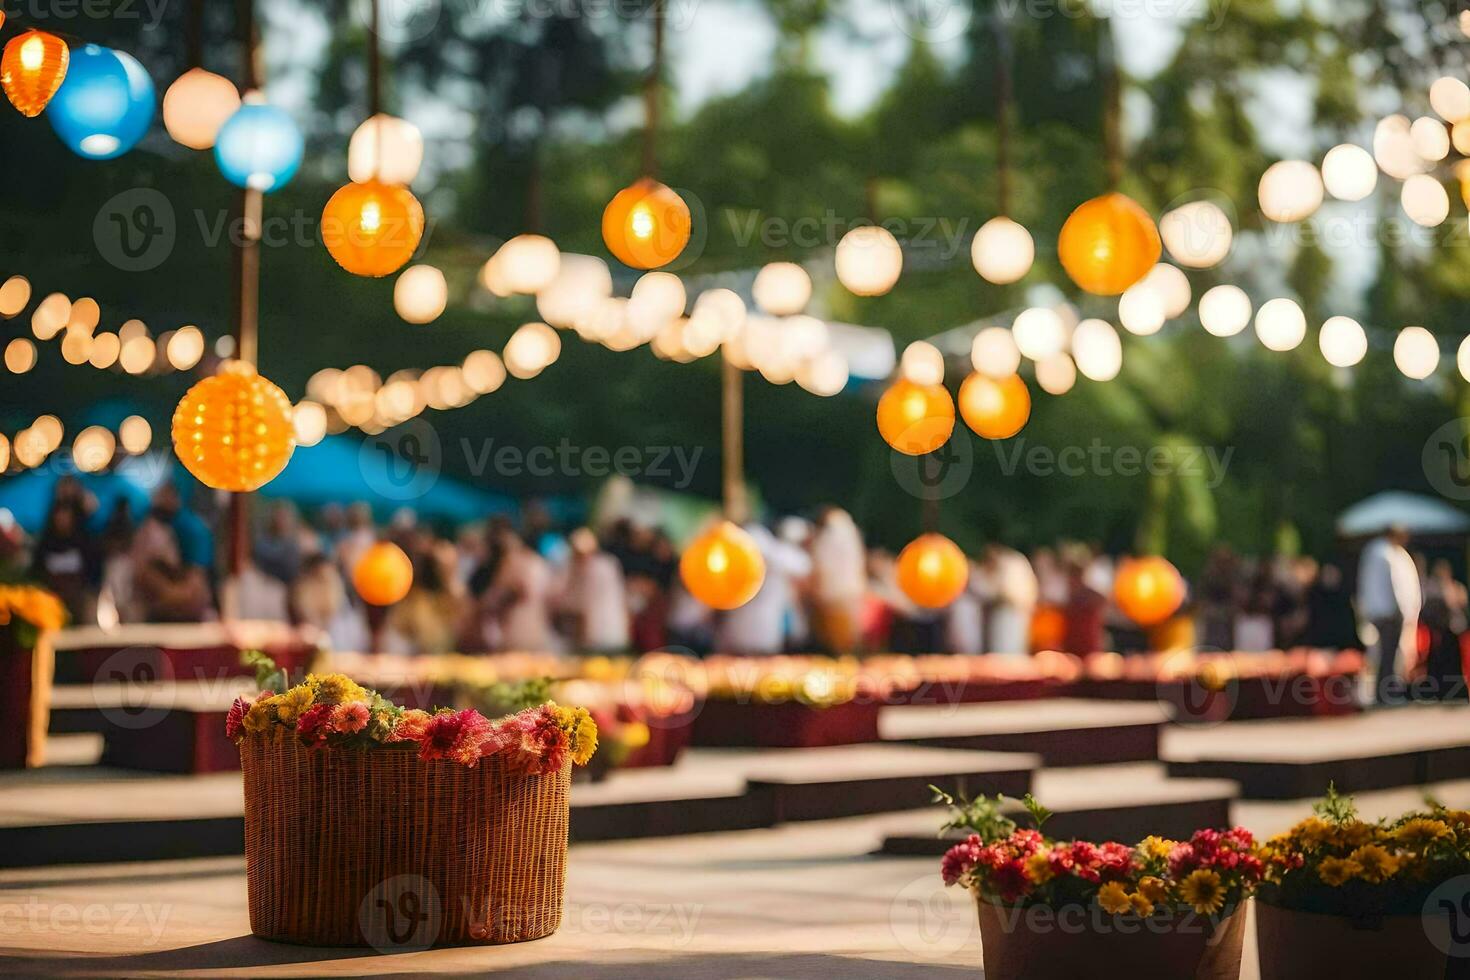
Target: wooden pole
{"x": 732, "y": 440}
{"x": 247, "y": 281}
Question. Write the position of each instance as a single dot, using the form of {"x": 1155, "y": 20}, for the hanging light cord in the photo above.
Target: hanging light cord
{"x": 1107, "y": 58}
{"x": 651, "y": 88}
{"x": 1002, "y": 114}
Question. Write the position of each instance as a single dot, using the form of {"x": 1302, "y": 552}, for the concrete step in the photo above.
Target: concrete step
{"x": 1118, "y": 802}
{"x": 1063, "y": 731}
{"x": 1295, "y": 758}
{"x": 92, "y": 814}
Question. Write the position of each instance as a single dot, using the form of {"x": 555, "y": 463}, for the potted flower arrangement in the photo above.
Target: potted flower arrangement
{"x": 371, "y": 824}
{"x": 28, "y": 615}
{"x": 1050, "y": 908}
{"x": 1345, "y": 897}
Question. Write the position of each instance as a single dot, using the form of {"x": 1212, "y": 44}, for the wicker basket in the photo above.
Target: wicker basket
{"x": 378, "y": 848}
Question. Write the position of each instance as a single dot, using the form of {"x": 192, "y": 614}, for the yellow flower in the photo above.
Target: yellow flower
{"x": 1421, "y": 831}
{"x": 1311, "y": 832}
{"x": 290, "y": 705}
{"x": 258, "y": 718}
{"x": 1353, "y": 834}
{"x": 1202, "y": 892}
{"x": 336, "y": 688}
{"x": 1156, "y": 847}
{"x": 581, "y": 731}
{"x": 1038, "y": 867}
{"x": 1113, "y": 898}
{"x": 1153, "y": 889}
{"x": 1141, "y": 905}
{"x": 1374, "y": 863}
{"x": 1335, "y": 871}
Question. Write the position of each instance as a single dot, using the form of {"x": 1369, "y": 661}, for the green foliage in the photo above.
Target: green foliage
{"x": 1335, "y": 807}
{"x": 508, "y": 697}
{"x": 981, "y": 816}
{"x": 268, "y": 676}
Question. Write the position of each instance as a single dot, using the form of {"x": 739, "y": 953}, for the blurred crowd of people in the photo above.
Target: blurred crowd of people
{"x": 534, "y": 586}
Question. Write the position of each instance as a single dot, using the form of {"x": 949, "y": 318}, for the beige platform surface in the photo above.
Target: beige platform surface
{"x": 1372, "y": 733}
{"x": 796, "y": 902}
{"x": 898, "y": 722}
{"x": 67, "y": 794}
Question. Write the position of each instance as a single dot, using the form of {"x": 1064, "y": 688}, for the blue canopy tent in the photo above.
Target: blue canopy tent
{"x": 338, "y": 471}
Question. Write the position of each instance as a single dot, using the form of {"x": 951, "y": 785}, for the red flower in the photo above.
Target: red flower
{"x": 315, "y": 724}
{"x": 236, "y": 717}
{"x": 1010, "y": 880}
{"x": 455, "y": 735}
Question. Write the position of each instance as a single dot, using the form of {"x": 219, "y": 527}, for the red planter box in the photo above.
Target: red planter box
{"x": 789, "y": 725}
{"x": 15, "y": 700}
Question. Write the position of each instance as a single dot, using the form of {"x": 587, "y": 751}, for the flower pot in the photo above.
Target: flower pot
{"x": 25, "y": 696}
{"x": 1303, "y": 945}
{"x": 378, "y": 848}
{"x": 1041, "y": 943}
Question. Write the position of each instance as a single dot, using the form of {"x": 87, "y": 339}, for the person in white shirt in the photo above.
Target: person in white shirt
{"x": 1389, "y": 597}
{"x": 839, "y": 580}
{"x": 595, "y": 597}
{"x": 1008, "y": 624}
{"x": 759, "y": 626}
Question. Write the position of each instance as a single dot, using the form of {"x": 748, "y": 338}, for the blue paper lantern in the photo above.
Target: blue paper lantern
{"x": 104, "y": 105}
{"x": 259, "y": 147}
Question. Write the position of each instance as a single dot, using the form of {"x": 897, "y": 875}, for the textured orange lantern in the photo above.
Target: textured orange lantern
{"x": 233, "y": 431}
{"x": 932, "y": 570}
{"x": 995, "y": 408}
{"x": 372, "y": 228}
{"x": 1148, "y": 590}
{"x": 915, "y": 419}
{"x": 383, "y": 574}
{"x": 723, "y": 567}
{"x": 646, "y": 225}
{"x": 31, "y": 70}
{"x": 1108, "y": 244}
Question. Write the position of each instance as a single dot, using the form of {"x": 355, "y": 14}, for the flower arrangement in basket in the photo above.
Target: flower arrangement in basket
{"x": 1365, "y": 898}
{"x": 1051, "y": 908}
{"x": 371, "y": 824}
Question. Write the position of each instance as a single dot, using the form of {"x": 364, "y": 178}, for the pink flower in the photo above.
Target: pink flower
{"x": 960, "y": 860}
{"x": 349, "y": 717}
{"x": 1182, "y": 859}
{"x": 236, "y": 717}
